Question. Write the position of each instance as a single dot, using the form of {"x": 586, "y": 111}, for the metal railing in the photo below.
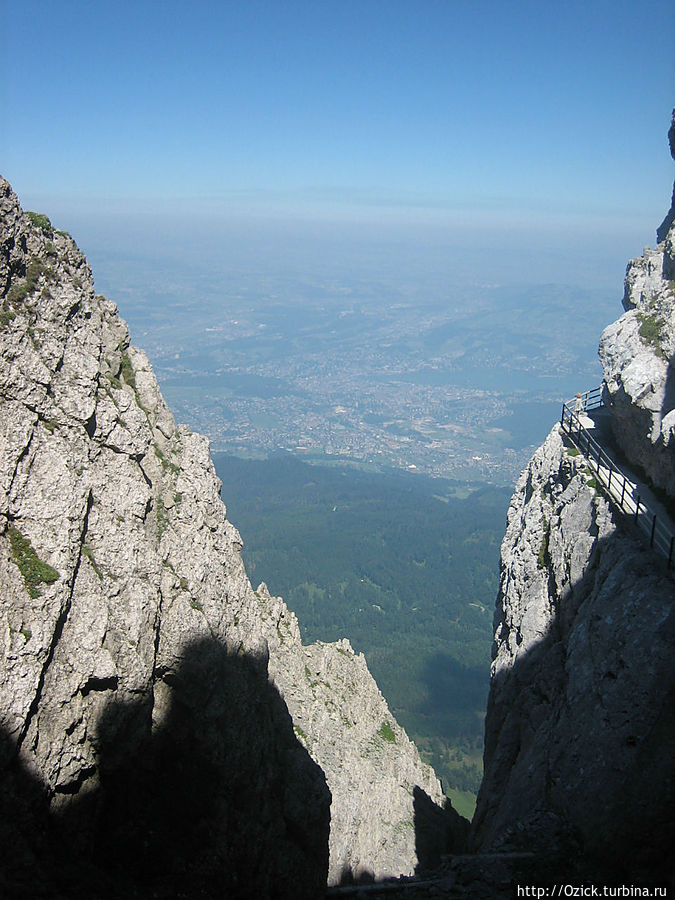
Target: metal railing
{"x": 621, "y": 491}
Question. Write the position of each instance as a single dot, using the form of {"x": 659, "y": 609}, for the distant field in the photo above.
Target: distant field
{"x": 404, "y": 566}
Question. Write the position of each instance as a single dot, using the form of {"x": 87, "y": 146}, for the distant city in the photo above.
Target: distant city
{"x": 459, "y": 382}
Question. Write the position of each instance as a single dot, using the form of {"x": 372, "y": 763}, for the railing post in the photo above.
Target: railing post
{"x": 651, "y": 537}
{"x": 623, "y": 491}
{"x": 637, "y": 508}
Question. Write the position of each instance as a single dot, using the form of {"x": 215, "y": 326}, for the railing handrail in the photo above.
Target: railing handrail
{"x": 611, "y": 477}
{"x": 590, "y": 399}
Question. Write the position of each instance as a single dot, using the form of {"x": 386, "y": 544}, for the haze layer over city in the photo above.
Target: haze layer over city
{"x": 369, "y": 362}
{"x": 382, "y": 232}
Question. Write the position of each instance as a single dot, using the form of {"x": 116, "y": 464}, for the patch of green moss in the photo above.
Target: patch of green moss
{"x": 114, "y": 381}
{"x": 21, "y": 289}
{"x": 386, "y": 732}
{"x": 162, "y": 518}
{"x": 35, "y": 572}
{"x": 6, "y": 315}
{"x": 41, "y": 221}
{"x": 650, "y": 331}
{"x": 34, "y": 269}
{"x": 17, "y": 293}
{"x": 127, "y": 371}
{"x": 141, "y": 406}
{"x": 89, "y": 553}
{"x": 167, "y": 465}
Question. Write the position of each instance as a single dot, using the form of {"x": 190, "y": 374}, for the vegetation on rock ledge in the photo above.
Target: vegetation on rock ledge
{"x": 650, "y": 331}
{"x": 40, "y": 220}
{"x": 34, "y": 571}
{"x": 386, "y": 732}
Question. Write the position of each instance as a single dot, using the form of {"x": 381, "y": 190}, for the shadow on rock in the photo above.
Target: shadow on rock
{"x": 438, "y": 831}
{"x": 348, "y": 877}
{"x": 580, "y": 735}
{"x": 668, "y": 404}
{"x": 201, "y": 791}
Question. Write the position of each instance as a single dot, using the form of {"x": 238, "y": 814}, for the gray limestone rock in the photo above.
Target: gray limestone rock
{"x": 638, "y": 359}
{"x": 579, "y": 729}
{"x": 343, "y": 720}
{"x": 158, "y": 717}
{"x": 580, "y": 734}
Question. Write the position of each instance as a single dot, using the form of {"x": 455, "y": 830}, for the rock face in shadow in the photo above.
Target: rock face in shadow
{"x": 580, "y": 734}
{"x": 579, "y": 729}
{"x": 126, "y": 606}
{"x": 210, "y": 795}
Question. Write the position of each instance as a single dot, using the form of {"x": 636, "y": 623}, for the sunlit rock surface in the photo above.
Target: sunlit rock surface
{"x": 160, "y": 719}
{"x": 637, "y": 354}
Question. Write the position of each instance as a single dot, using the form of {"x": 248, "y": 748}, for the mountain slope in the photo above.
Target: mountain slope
{"x": 580, "y": 736}
{"x": 158, "y": 715}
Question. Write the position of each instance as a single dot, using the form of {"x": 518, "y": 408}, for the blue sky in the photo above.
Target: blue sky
{"x": 475, "y": 111}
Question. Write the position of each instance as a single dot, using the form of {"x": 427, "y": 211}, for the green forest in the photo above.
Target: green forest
{"x": 403, "y": 565}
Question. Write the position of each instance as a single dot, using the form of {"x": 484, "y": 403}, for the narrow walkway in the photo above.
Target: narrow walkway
{"x": 586, "y": 423}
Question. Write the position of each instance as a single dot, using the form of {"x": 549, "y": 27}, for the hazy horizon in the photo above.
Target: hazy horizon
{"x": 393, "y": 226}
{"x": 451, "y": 116}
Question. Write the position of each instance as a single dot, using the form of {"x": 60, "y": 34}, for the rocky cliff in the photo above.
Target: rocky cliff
{"x": 580, "y": 735}
{"x": 637, "y": 353}
{"x": 162, "y": 728}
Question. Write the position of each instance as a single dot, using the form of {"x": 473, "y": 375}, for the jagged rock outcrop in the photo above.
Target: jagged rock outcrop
{"x": 159, "y": 718}
{"x": 580, "y": 736}
{"x": 342, "y": 719}
{"x": 637, "y": 355}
